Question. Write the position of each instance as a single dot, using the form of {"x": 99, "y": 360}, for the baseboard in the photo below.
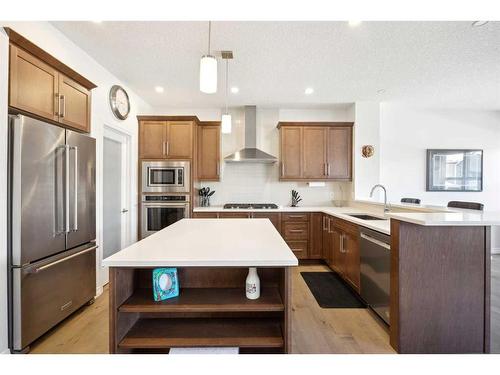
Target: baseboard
{"x": 495, "y": 250}
{"x": 98, "y": 291}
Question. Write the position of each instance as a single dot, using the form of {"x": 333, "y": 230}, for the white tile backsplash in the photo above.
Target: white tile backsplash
{"x": 259, "y": 183}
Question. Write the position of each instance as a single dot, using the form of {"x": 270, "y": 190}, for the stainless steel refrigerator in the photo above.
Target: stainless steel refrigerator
{"x": 51, "y": 226}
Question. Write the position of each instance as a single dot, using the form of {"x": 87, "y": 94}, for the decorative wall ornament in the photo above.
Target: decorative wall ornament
{"x": 367, "y": 151}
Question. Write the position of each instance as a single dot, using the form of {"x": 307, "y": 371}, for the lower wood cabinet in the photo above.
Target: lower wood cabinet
{"x": 205, "y": 215}
{"x": 234, "y": 215}
{"x": 299, "y": 248}
{"x": 274, "y": 217}
{"x": 316, "y": 236}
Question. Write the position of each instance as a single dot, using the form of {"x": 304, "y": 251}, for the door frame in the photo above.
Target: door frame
{"x": 125, "y": 139}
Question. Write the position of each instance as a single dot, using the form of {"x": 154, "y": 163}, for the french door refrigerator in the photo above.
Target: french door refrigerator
{"x": 52, "y": 266}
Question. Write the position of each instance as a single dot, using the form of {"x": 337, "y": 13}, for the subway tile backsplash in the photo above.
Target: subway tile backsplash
{"x": 258, "y": 183}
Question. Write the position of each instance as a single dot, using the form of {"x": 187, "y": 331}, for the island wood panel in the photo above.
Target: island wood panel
{"x": 33, "y": 84}
{"x": 314, "y": 152}
{"x": 339, "y": 153}
{"x": 439, "y": 273}
{"x": 290, "y": 152}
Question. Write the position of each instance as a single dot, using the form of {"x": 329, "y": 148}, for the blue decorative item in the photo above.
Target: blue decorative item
{"x": 165, "y": 283}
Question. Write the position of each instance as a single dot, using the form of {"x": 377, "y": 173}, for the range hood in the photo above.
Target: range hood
{"x": 250, "y": 154}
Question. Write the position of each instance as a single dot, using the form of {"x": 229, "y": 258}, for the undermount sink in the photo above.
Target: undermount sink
{"x": 366, "y": 217}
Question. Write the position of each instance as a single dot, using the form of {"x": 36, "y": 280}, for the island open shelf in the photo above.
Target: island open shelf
{"x": 211, "y": 311}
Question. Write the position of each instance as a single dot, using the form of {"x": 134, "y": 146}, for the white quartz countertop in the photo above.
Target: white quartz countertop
{"x": 340, "y": 212}
{"x": 209, "y": 242}
{"x": 466, "y": 218}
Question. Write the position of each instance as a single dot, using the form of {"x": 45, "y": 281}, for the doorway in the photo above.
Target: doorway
{"x": 116, "y": 194}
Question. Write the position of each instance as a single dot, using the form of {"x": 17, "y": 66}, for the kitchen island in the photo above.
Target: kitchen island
{"x": 212, "y": 259}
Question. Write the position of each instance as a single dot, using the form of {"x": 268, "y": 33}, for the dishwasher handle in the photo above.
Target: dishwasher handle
{"x": 375, "y": 241}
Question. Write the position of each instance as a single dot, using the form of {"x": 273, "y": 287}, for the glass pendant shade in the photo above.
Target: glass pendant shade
{"x": 208, "y": 74}
{"x": 226, "y": 124}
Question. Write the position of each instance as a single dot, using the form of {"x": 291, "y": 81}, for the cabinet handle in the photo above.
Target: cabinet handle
{"x": 296, "y": 230}
{"x": 58, "y": 104}
{"x": 328, "y": 169}
{"x": 168, "y": 149}
{"x": 218, "y": 168}
{"x": 329, "y": 227}
{"x": 163, "y": 148}
{"x": 282, "y": 169}
{"x": 342, "y": 250}
{"x": 63, "y": 112}
{"x": 324, "y": 169}
{"x": 324, "y": 222}
{"x": 296, "y": 216}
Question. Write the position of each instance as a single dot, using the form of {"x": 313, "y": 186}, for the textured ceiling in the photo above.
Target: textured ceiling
{"x": 447, "y": 64}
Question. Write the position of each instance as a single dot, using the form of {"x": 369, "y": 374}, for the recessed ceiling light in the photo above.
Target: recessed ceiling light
{"x": 381, "y": 91}
{"x": 309, "y": 91}
{"x": 235, "y": 90}
{"x": 354, "y": 23}
{"x": 479, "y": 23}
{"x": 159, "y": 89}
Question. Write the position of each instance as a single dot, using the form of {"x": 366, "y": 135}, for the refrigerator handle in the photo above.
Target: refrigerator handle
{"x": 66, "y": 190}
{"x": 59, "y": 230}
{"x": 75, "y": 212}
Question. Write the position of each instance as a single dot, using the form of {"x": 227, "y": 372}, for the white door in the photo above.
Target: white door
{"x": 116, "y": 195}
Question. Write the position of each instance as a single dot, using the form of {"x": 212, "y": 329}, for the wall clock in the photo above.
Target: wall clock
{"x": 119, "y": 102}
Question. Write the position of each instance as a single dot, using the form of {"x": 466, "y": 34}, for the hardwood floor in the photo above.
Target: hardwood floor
{"x": 315, "y": 330}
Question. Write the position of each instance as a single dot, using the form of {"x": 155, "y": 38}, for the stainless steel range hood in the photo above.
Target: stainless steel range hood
{"x": 250, "y": 154}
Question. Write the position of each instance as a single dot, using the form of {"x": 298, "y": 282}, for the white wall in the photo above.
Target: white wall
{"x": 366, "y": 132}
{"x": 51, "y": 40}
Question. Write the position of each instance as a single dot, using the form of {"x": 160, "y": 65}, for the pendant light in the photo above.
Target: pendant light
{"x": 226, "y": 117}
{"x": 208, "y": 69}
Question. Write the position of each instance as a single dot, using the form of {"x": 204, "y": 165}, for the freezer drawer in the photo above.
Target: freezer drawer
{"x": 46, "y": 292}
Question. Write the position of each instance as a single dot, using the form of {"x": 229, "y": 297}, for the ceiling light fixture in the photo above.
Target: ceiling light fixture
{"x": 159, "y": 89}
{"x": 479, "y": 23}
{"x": 308, "y": 91}
{"x": 226, "y": 117}
{"x": 354, "y": 23}
{"x": 208, "y": 69}
{"x": 235, "y": 90}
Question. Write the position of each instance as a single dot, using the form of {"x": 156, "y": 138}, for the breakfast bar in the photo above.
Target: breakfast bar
{"x": 212, "y": 258}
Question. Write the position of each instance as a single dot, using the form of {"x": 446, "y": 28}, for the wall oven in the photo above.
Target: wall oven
{"x": 159, "y": 211}
{"x": 165, "y": 176}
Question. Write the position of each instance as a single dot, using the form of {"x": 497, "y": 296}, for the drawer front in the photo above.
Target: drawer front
{"x": 234, "y": 215}
{"x": 296, "y": 231}
{"x": 346, "y": 226}
{"x": 299, "y": 248}
{"x": 48, "y": 292}
{"x": 205, "y": 215}
{"x": 301, "y": 216}
{"x": 274, "y": 217}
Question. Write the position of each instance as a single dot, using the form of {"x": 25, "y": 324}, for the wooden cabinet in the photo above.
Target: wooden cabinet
{"x": 38, "y": 88}
{"x": 75, "y": 104}
{"x": 291, "y": 152}
{"x": 316, "y": 236}
{"x": 299, "y": 248}
{"x": 274, "y": 217}
{"x": 315, "y": 151}
{"x": 234, "y": 215}
{"x": 205, "y": 215}
{"x": 339, "y": 153}
{"x": 352, "y": 261}
{"x": 163, "y": 139}
{"x": 209, "y": 153}
{"x": 295, "y": 231}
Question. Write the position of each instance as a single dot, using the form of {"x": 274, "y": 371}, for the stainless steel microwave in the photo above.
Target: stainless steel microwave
{"x": 165, "y": 176}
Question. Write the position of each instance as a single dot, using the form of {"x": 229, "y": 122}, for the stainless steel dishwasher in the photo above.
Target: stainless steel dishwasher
{"x": 375, "y": 252}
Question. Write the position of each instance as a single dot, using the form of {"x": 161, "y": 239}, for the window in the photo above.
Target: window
{"x": 454, "y": 170}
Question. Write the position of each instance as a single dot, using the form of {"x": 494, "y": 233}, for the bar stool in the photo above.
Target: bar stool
{"x": 410, "y": 200}
{"x": 467, "y": 205}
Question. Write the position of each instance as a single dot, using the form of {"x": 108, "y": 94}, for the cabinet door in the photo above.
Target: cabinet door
{"x": 152, "y": 140}
{"x": 179, "y": 139}
{"x": 314, "y": 152}
{"x": 299, "y": 248}
{"x": 274, "y": 217}
{"x": 338, "y": 239}
{"x": 295, "y": 231}
{"x": 75, "y": 104}
{"x": 291, "y": 152}
{"x": 209, "y": 153}
{"x": 33, "y": 85}
{"x": 316, "y": 236}
{"x": 328, "y": 242}
{"x": 352, "y": 262}
{"x": 339, "y": 153}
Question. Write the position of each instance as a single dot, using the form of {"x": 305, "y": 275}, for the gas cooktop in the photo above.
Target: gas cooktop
{"x": 250, "y": 206}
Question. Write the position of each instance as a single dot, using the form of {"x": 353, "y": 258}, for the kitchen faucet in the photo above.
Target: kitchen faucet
{"x": 386, "y": 209}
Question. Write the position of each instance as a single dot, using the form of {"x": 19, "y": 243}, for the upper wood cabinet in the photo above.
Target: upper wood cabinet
{"x": 164, "y": 139}
{"x": 43, "y": 86}
{"x": 316, "y": 151}
{"x": 291, "y": 152}
{"x": 209, "y": 152}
